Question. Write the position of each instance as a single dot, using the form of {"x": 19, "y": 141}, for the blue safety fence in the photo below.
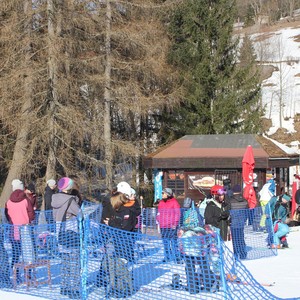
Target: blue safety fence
{"x": 83, "y": 259}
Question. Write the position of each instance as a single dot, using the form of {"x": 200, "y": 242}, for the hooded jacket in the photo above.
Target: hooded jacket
{"x": 60, "y": 203}
{"x": 19, "y": 211}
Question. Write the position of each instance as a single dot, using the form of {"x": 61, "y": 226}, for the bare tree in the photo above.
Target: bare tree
{"x": 24, "y": 114}
{"x": 97, "y": 76}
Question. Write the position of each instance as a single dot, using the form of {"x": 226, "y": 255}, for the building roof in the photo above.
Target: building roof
{"x": 220, "y": 151}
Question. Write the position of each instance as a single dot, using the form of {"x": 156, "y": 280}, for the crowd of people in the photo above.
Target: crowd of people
{"x": 225, "y": 212}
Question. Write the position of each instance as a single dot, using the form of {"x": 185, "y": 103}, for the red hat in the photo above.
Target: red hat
{"x": 215, "y": 190}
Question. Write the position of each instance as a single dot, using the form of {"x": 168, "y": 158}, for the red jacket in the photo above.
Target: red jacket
{"x": 168, "y": 214}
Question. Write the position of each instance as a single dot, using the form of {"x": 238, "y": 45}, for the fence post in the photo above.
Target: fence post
{"x": 84, "y": 233}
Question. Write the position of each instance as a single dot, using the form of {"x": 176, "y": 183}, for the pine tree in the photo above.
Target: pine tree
{"x": 220, "y": 96}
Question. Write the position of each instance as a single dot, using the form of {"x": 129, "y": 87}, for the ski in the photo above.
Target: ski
{"x": 234, "y": 279}
{"x": 250, "y": 283}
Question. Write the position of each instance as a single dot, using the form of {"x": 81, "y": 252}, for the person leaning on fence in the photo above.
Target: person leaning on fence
{"x": 168, "y": 217}
{"x": 217, "y": 212}
{"x": 65, "y": 210}
{"x": 277, "y": 211}
{"x": 238, "y": 217}
{"x": 197, "y": 246}
{"x": 18, "y": 211}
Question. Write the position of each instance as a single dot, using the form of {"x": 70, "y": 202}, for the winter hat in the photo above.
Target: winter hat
{"x": 168, "y": 191}
{"x": 124, "y": 187}
{"x": 65, "y": 184}
{"x": 237, "y": 188}
{"x": 221, "y": 192}
{"x": 286, "y": 197}
{"x": 17, "y": 184}
{"x": 51, "y": 183}
{"x": 31, "y": 187}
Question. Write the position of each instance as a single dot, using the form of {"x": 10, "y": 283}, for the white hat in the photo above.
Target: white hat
{"x": 51, "y": 183}
{"x": 124, "y": 187}
{"x": 17, "y": 184}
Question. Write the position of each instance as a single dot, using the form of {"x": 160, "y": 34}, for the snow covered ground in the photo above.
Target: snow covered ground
{"x": 283, "y": 269}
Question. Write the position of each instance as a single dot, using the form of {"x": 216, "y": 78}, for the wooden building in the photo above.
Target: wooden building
{"x": 194, "y": 163}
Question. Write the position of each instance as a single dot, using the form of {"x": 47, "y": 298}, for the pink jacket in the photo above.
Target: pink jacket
{"x": 168, "y": 214}
{"x": 19, "y": 211}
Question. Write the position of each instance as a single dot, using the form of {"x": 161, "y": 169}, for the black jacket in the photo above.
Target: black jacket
{"x": 48, "y": 197}
{"x": 237, "y": 201}
{"x": 218, "y": 216}
{"x": 125, "y": 217}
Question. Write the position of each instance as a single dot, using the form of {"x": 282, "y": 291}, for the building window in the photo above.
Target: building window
{"x": 175, "y": 181}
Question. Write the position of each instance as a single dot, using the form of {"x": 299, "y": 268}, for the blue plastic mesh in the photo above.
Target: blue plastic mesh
{"x": 90, "y": 260}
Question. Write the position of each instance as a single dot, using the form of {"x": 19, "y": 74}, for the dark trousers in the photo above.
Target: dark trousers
{"x": 202, "y": 280}
{"x": 124, "y": 245}
{"x": 169, "y": 237}
{"x": 16, "y": 251}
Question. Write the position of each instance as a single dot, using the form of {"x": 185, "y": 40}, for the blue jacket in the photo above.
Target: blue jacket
{"x": 280, "y": 214}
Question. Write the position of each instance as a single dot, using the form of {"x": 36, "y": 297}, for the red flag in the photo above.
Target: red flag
{"x": 248, "y": 164}
{"x": 294, "y": 190}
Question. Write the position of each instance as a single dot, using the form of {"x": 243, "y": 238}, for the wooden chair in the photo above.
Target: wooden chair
{"x": 30, "y": 279}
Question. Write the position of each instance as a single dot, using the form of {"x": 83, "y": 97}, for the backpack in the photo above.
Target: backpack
{"x": 190, "y": 217}
{"x": 118, "y": 276}
{"x": 198, "y": 241}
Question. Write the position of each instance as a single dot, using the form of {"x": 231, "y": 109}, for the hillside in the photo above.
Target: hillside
{"x": 278, "y": 53}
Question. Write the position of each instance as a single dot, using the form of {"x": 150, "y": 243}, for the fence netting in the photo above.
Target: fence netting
{"x": 84, "y": 259}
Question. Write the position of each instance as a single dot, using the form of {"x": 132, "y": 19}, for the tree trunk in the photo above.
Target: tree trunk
{"x": 53, "y": 83}
{"x": 19, "y": 156}
{"x": 107, "y": 100}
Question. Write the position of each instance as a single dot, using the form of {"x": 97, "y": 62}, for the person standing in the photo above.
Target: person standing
{"x": 168, "y": 217}
{"x": 238, "y": 214}
{"x": 265, "y": 194}
{"x": 277, "y": 213}
{"x": 217, "y": 212}
{"x": 18, "y": 211}
{"x": 65, "y": 210}
{"x": 50, "y": 190}
{"x": 120, "y": 212}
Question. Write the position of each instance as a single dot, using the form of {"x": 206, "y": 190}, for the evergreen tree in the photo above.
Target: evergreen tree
{"x": 221, "y": 96}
